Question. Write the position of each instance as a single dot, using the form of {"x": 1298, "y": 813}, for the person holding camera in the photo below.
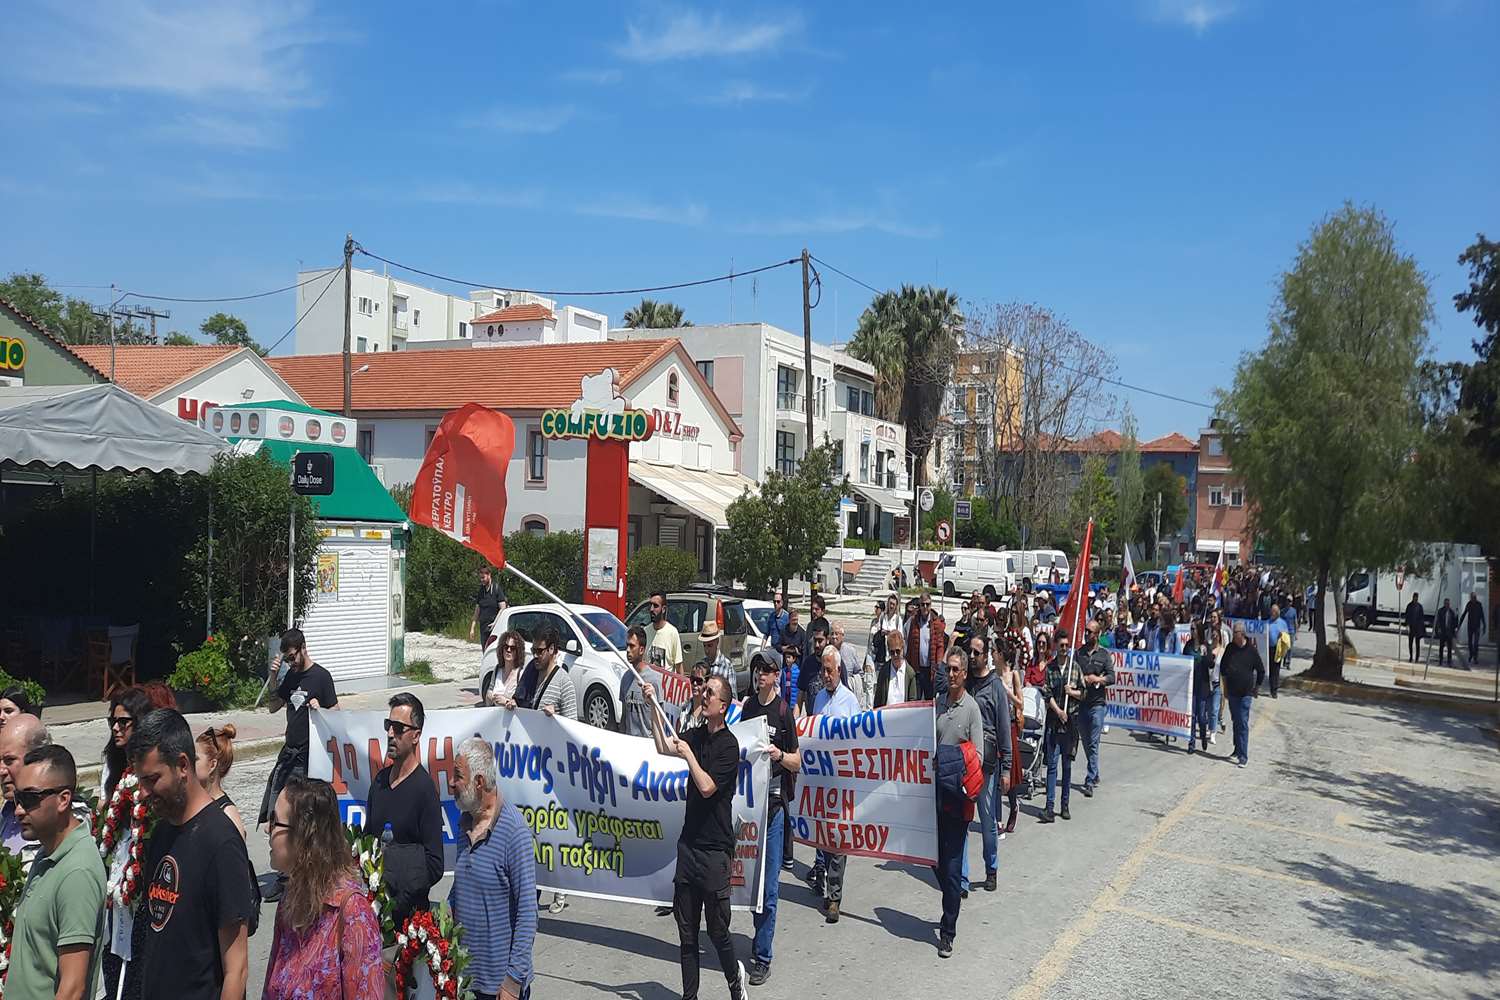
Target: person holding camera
{"x": 301, "y": 684}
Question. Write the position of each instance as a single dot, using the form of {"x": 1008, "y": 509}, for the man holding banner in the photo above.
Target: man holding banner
{"x": 701, "y": 883}
{"x": 766, "y": 702}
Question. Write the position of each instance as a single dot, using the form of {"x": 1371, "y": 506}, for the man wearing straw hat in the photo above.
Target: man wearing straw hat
{"x": 718, "y": 663}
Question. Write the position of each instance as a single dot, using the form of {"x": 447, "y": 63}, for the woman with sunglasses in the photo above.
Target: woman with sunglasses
{"x": 692, "y": 715}
{"x": 215, "y": 757}
{"x": 327, "y": 941}
{"x": 125, "y": 708}
{"x": 499, "y": 685}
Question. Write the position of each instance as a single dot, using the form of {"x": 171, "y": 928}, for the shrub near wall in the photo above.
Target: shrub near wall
{"x": 658, "y": 567}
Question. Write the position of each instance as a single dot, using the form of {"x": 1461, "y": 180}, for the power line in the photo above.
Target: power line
{"x": 337, "y": 273}
{"x": 1077, "y": 371}
{"x": 577, "y": 294}
{"x": 224, "y": 298}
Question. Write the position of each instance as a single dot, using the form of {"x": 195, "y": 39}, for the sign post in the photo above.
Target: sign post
{"x": 963, "y": 510}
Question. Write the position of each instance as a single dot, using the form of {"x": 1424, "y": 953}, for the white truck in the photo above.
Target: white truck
{"x": 1372, "y": 597}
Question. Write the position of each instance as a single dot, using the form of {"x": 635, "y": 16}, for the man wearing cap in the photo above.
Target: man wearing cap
{"x": 718, "y": 663}
{"x": 765, "y": 701}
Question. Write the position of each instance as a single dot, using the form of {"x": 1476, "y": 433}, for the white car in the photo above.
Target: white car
{"x": 757, "y": 626}
{"x": 594, "y": 668}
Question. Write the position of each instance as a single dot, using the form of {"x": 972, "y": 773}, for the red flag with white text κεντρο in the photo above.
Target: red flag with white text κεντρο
{"x": 460, "y": 490}
{"x": 1075, "y": 612}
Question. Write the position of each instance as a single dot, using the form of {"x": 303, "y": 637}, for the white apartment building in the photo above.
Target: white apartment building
{"x": 758, "y": 373}
{"x": 389, "y": 314}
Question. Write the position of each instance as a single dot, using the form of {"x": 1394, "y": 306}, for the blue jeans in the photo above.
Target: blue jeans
{"x": 949, "y": 871}
{"x": 765, "y": 920}
{"x": 1239, "y": 714}
{"x": 1091, "y": 727}
{"x": 989, "y": 801}
{"x": 1203, "y": 712}
{"x": 1214, "y": 722}
{"x": 1054, "y": 745}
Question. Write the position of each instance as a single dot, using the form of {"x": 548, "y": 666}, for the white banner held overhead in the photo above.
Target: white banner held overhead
{"x": 1152, "y": 693}
{"x": 606, "y": 808}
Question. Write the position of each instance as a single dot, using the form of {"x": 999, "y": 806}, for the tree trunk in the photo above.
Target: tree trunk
{"x": 1327, "y": 665}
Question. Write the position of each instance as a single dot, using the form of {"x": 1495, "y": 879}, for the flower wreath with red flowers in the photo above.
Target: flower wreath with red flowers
{"x": 126, "y": 820}
{"x": 434, "y": 938}
{"x": 12, "y": 881}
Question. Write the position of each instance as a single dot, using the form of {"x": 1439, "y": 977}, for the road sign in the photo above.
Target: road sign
{"x": 963, "y": 510}
{"x": 944, "y": 532}
{"x": 924, "y": 500}
{"x": 312, "y": 473}
{"x": 1400, "y": 577}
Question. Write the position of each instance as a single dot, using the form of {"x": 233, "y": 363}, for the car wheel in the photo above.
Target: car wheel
{"x": 1361, "y": 619}
{"x": 599, "y": 709}
{"x": 948, "y": 589}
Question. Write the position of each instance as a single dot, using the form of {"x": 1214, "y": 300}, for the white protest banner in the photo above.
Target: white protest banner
{"x": 866, "y": 785}
{"x": 1258, "y": 632}
{"x": 1152, "y": 693}
{"x": 606, "y": 808}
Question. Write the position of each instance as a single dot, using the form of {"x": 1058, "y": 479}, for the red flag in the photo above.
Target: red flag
{"x": 1177, "y": 586}
{"x": 460, "y": 490}
{"x": 1074, "y": 614}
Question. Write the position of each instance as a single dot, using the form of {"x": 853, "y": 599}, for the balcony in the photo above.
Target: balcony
{"x": 791, "y": 406}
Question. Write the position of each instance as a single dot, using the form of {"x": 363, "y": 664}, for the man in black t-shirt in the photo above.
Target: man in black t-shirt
{"x": 489, "y": 601}
{"x": 405, "y": 797}
{"x": 198, "y": 903}
{"x": 301, "y": 685}
{"x": 701, "y": 885}
{"x": 766, "y": 701}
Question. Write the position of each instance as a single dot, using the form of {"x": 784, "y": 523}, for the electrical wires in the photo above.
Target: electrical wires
{"x": 578, "y": 294}
{"x": 337, "y": 272}
{"x": 225, "y": 298}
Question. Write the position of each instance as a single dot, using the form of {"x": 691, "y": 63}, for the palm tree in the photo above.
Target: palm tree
{"x": 653, "y": 315}
{"x": 911, "y": 339}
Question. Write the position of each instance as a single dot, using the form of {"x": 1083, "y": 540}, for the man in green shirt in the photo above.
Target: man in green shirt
{"x": 59, "y": 924}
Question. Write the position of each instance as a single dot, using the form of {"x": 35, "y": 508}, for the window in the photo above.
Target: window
{"x": 786, "y": 388}
{"x": 820, "y": 398}
{"x": 867, "y": 403}
{"x": 838, "y": 458}
{"x": 786, "y": 453}
{"x": 527, "y": 623}
{"x": 367, "y": 443}
{"x": 706, "y": 368}
{"x": 536, "y": 457}
{"x": 958, "y": 476}
{"x": 1237, "y": 498}
{"x": 416, "y": 317}
{"x": 1216, "y": 496}
{"x": 852, "y": 398}
{"x": 705, "y": 551}
{"x": 1215, "y": 446}
{"x": 427, "y": 441}
{"x": 673, "y": 392}
{"x": 366, "y": 305}
{"x": 375, "y": 347}
{"x": 463, "y": 331}
{"x": 880, "y": 468}
{"x": 669, "y": 532}
{"x": 360, "y": 345}
{"x": 534, "y": 525}
{"x": 864, "y": 461}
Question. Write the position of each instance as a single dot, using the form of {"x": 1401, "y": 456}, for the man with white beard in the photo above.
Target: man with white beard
{"x": 494, "y": 878}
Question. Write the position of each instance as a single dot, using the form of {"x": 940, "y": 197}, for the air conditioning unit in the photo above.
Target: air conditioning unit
{"x": 379, "y": 471}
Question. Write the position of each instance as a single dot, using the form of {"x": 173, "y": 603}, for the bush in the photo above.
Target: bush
{"x": 35, "y": 693}
{"x": 658, "y": 567}
{"x": 207, "y": 671}
{"x": 555, "y": 560}
{"x": 870, "y": 546}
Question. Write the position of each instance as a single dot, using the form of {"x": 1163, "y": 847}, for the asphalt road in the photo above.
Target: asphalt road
{"x": 1357, "y": 856}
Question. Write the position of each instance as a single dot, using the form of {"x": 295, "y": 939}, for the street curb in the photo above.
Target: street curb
{"x": 1353, "y": 691}
{"x": 248, "y": 750}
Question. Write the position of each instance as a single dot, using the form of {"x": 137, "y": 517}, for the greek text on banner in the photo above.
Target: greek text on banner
{"x": 1152, "y": 693}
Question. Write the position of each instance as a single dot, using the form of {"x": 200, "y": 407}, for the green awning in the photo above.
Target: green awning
{"x": 357, "y": 495}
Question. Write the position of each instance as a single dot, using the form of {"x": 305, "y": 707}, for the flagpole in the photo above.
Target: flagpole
{"x": 1088, "y": 544}
{"x": 603, "y": 638}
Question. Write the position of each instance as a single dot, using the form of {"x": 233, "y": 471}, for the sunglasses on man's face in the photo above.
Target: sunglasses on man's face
{"x": 30, "y": 798}
{"x": 397, "y": 727}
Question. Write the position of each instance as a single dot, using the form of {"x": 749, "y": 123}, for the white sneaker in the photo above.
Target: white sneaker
{"x": 1105, "y": 729}
{"x": 558, "y": 904}
{"x": 1213, "y": 739}
{"x": 743, "y": 981}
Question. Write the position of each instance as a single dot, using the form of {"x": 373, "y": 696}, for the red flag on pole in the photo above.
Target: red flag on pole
{"x": 460, "y": 489}
{"x": 1074, "y": 612}
{"x": 1177, "y": 585}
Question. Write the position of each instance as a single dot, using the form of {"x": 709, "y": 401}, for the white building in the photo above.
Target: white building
{"x": 758, "y": 372}
{"x": 682, "y": 478}
{"x": 391, "y": 315}
{"x": 186, "y": 380}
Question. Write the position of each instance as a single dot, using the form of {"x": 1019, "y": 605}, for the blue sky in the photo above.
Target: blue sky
{"x": 1145, "y": 168}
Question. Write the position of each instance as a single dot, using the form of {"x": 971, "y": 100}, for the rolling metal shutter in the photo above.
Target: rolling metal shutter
{"x": 349, "y": 632}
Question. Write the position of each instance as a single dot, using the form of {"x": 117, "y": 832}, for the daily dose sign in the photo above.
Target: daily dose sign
{"x": 866, "y": 784}
{"x": 1152, "y": 693}
{"x": 606, "y": 809}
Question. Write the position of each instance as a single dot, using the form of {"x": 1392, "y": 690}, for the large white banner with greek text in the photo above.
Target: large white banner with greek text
{"x": 1257, "y": 631}
{"x": 866, "y": 785}
{"x": 606, "y": 808}
{"x": 1152, "y": 693}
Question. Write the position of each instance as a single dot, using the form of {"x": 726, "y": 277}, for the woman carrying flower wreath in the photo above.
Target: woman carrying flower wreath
{"x": 117, "y": 820}
{"x": 327, "y": 940}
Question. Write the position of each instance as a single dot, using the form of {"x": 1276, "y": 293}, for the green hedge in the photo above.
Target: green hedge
{"x": 870, "y": 546}
{"x": 658, "y": 567}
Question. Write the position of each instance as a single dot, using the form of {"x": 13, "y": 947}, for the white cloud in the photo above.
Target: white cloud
{"x": 223, "y": 131}
{"x": 691, "y": 35}
{"x": 233, "y": 51}
{"x": 524, "y": 121}
{"x": 840, "y": 222}
{"x": 1200, "y": 15}
{"x": 644, "y": 210}
{"x": 745, "y": 92}
{"x": 463, "y": 193}
{"x": 598, "y": 77}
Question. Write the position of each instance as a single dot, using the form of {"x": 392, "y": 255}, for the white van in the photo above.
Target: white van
{"x": 1037, "y": 565}
{"x": 964, "y": 571}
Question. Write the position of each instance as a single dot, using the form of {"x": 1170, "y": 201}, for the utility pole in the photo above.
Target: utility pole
{"x": 807, "y": 349}
{"x": 348, "y": 310}
{"x": 1156, "y": 530}
{"x": 111, "y": 310}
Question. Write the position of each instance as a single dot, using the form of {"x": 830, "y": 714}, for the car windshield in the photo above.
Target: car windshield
{"x": 734, "y": 618}
{"x": 612, "y": 627}
{"x": 762, "y": 619}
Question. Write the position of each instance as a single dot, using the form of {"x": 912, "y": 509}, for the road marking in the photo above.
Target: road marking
{"x": 1050, "y": 969}
{"x": 1310, "y": 883}
{"x": 1241, "y": 940}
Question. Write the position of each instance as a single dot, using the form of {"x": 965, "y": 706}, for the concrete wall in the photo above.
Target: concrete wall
{"x": 227, "y": 384}
{"x": 47, "y": 362}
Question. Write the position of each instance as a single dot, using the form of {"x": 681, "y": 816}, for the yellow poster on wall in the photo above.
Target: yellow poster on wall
{"x": 328, "y": 576}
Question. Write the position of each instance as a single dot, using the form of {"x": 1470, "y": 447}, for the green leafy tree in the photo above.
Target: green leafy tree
{"x": 1159, "y": 484}
{"x": 231, "y": 331}
{"x": 1131, "y": 492}
{"x": 653, "y": 315}
{"x": 178, "y": 339}
{"x": 942, "y": 510}
{"x": 31, "y": 294}
{"x": 658, "y": 567}
{"x": 1324, "y": 420}
{"x": 988, "y": 528}
{"x": 73, "y": 320}
{"x": 784, "y": 531}
{"x": 1095, "y": 497}
{"x": 911, "y": 338}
